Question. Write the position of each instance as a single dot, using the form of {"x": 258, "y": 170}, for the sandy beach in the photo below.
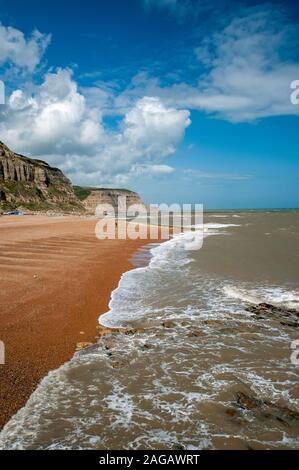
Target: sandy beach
{"x": 56, "y": 279}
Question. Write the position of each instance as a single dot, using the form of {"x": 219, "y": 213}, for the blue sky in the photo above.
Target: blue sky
{"x": 177, "y": 99}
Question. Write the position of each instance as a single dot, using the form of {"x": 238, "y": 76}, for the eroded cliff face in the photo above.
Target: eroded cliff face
{"x": 33, "y": 184}
{"x": 27, "y": 183}
{"x": 118, "y": 199}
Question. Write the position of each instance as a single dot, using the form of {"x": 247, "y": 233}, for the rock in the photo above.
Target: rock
{"x": 83, "y": 345}
{"x": 231, "y": 412}
{"x": 147, "y": 346}
{"x": 168, "y": 324}
{"x": 133, "y": 331}
{"x": 282, "y": 413}
{"x": 178, "y": 446}
{"x": 195, "y": 333}
{"x": 292, "y": 324}
{"x": 34, "y": 184}
{"x": 103, "y": 331}
{"x": 213, "y": 322}
{"x": 246, "y": 401}
{"x": 267, "y": 409}
{"x": 140, "y": 330}
{"x": 119, "y": 364}
{"x": 109, "y": 344}
{"x": 286, "y": 316}
{"x": 264, "y": 308}
{"x": 92, "y": 197}
{"x": 248, "y": 335}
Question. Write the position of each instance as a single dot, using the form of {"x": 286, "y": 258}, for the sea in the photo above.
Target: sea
{"x": 196, "y": 369}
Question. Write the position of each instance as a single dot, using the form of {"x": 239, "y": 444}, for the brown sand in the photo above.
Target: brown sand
{"x": 56, "y": 278}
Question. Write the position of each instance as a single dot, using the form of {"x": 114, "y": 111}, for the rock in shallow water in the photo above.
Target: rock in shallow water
{"x": 266, "y": 409}
{"x": 246, "y": 401}
{"x": 265, "y": 310}
{"x": 168, "y": 324}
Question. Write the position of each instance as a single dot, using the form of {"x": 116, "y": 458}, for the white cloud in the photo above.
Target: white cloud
{"x": 57, "y": 123}
{"x": 155, "y": 129}
{"x": 143, "y": 170}
{"x": 246, "y": 71}
{"x": 20, "y": 51}
{"x": 152, "y": 170}
{"x": 199, "y": 174}
{"x": 55, "y": 119}
{"x": 248, "y": 78}
{"x": 161, "y": 169}
{"x": 246, "y": 75}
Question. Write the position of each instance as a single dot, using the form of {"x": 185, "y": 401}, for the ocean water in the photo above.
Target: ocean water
{"x": 178, "y": 387}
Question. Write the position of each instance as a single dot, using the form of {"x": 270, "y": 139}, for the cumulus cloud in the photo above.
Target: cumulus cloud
{"x": 153, "y": 128}
{"x": 247, "y": 76}
{"x": 22, "y": 52}
{"x": 59, "y": 124}
{"x": 246, "y": 71}
{"x": 55, "y": 119}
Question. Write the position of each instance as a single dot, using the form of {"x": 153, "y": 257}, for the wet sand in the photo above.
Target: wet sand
{"x": 56, "y": 278}
{"x": 207, "y": 363}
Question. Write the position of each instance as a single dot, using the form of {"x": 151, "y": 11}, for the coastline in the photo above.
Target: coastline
{"x": 200, "y": 334}
{"x": 56, "y": 280}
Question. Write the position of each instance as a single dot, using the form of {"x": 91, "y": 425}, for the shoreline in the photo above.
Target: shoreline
{"x": 56, "y": 281}
{"x": 163, "y": 339}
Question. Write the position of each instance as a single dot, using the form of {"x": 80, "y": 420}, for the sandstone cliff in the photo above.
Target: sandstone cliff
{"x": 92, "y": 197}
{"x": 32, "y": 184}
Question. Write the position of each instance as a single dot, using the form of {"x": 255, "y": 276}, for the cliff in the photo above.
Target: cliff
{"x": 33, "y": 184}
{"x": 27, "y": 183}
{"x": 92, "y": 197}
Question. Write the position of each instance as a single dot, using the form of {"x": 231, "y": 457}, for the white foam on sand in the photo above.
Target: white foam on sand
{"x": 126, "y": 300}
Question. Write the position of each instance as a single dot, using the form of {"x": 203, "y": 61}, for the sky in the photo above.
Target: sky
{"x": 184, "y": 101}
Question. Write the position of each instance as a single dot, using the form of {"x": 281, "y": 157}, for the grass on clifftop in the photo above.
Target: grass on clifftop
{"x": 82, "y": 192}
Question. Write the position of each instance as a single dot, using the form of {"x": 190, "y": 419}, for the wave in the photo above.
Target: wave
{"x": 264, "y": 294}
{"x": 126, "y": 301}
{"x": 186, "y": 375}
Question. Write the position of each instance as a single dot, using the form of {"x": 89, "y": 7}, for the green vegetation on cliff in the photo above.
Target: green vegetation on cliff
{"x": 31, "y": 184}
{"x": 82, "y": 192}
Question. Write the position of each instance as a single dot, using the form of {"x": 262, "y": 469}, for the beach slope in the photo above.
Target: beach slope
{"x": 56, "y": 278}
